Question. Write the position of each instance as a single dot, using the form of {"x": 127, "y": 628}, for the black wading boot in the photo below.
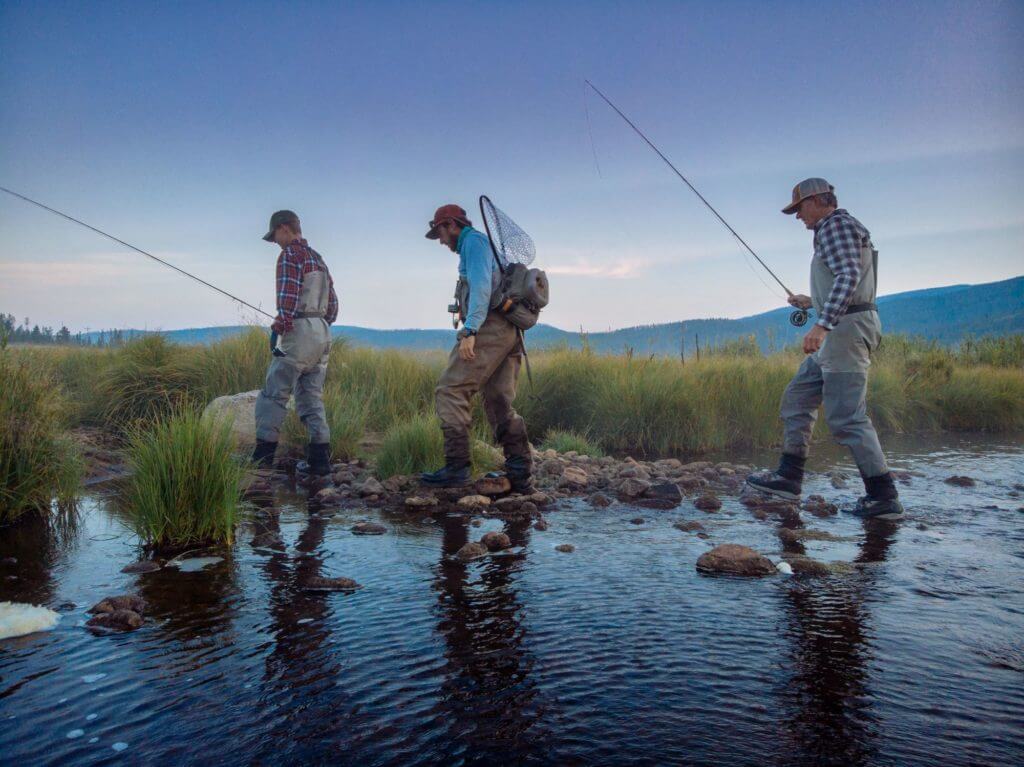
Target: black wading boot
{"x": 456, "y": 471}
{"x": 785, "y": 482}
{"x": 882, "y": 500}
{"x": 318, "y": 460}
{"x": 263, "y": 455}
{"x": 519, "y": 471}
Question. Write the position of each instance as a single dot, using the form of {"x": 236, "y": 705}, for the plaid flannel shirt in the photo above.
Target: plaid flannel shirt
{"x": 296, "y": 260}
{"x": 837, "y": 240}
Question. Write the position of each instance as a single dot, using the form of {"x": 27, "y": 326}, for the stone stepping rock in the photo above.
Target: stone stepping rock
{"x": 492, "y": 486}
{"x": 123, "y": 602}
{"x": 474, "y": 501}
{"x": 960, "y": 481}
{"x": 145, "y": 566}
{"x": 688, "y": 526}
{"x": 368, "y": 528}
{"x": 471, "y": 551}
{"x": 708, "y": 502}
{"x": 318, "y": 583}
{"x": 733, "y": 559}
{"x": 495, "y": 541}
{"x": 116, "y": 620}
{"x": 421, "y": 501}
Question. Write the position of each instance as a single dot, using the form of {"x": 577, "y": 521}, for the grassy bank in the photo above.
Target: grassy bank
{"x": 728, "y": 398}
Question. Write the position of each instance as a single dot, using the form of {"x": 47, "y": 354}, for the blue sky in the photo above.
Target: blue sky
{"x": 181, "y": 127}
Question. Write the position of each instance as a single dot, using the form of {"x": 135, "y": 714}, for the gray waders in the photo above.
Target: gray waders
{"x": 303, "y": 368}
{"x": 836, "y": 376}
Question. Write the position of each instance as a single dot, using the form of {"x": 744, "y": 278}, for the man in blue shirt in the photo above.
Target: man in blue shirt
{"x": 485, "y": 359}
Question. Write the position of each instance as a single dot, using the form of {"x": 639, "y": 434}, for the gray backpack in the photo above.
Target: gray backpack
{"x": 522, "y": 291}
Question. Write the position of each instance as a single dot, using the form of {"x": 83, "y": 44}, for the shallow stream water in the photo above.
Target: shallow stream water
{"x": 617, "y": 653}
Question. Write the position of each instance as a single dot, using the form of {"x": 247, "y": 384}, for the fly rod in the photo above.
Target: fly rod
{"x": 798, "y": 317}
{"x": 137, "y": 250}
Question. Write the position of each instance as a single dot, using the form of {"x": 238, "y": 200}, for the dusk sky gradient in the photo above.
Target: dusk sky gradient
{"x": 181, "y": 127}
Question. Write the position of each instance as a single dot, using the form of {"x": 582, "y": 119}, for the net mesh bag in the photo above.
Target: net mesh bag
{"x": 510, "y": 242}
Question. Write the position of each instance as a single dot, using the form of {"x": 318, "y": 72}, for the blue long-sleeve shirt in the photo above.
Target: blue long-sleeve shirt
{"x": 477, "y": 266}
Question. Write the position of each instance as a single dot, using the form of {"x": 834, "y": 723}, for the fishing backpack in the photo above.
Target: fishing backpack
{"x": 522, "y": 291}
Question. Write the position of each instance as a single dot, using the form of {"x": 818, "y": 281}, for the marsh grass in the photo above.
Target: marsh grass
{"x": 416, "y": 445}
{"x": 347, "y": 422}
{"x": 40, "y": 468}
{"x": 233, "y": 365}
{"x": 184, "y": 486}
{"x": 569, "y": 441}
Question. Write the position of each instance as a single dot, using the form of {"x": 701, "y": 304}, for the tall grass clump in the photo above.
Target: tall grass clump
{"x": 346, "y": 419}
{"x": 147, "y": 380}
{"x": 236, "y": 364}
{"x": 38, "y": 463}
{"x": 184, "y": 486}
{"x": 562, "y": 441}
{"x": 416, "y": 445}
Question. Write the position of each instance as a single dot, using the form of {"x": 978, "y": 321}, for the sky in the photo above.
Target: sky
{"x": 180, "y": 127}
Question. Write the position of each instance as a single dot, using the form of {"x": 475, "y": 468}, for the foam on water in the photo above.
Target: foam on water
{"x": 18, "y": 619}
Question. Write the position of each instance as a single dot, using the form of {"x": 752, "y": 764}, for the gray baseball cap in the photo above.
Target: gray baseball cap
{"x": 279, "y": 218}
{"x": 807, "y": 188}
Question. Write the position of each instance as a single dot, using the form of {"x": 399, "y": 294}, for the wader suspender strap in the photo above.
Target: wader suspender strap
{"x": 526, "y": 361}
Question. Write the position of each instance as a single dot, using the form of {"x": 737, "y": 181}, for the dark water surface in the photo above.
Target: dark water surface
{"x": 618, "y": 653}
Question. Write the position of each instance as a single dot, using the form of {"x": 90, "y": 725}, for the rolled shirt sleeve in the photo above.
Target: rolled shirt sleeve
{"x": 479, "y": 268}
{"x": 839, "y": 241}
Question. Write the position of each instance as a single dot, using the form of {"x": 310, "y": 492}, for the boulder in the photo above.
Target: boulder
{"x": 421, "y": 501}
{"x": 344, "y": 477}
{"x": 633, "y": 471}
{"x": 631, "y": 487}
{"x": 368, "y": 528}
{"x": 960, "y": 481}
{"x": 145, "y": 566}
{"x": 492, "y": 486}
{"x": 318, "y": 583}
{"x": 495, "y": 541}
{"x": 666, "y": 492}
{"x": 115, "y": 620}
{"x": 122, "y": 602}
{"x": 708, "y": 502}
{"x": 241, "y": 410}
{"x": 474, "y": 501}
{"x": 574, "y": 478}
{"x": 733, "y": 559}
{"x": 600, "y": 500}
{"x": 368, "y": 487}
{"x": 690, "y": 483}
{"x": 565, "y": 548}
{"x": 529, "y": 508}
{"x": 470, "y": 551}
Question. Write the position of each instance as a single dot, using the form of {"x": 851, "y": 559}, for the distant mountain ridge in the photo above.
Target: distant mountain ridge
{"x": 946, "y": 314}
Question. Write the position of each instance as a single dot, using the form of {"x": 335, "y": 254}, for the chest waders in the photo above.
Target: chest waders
{"x": 858, "y": 333}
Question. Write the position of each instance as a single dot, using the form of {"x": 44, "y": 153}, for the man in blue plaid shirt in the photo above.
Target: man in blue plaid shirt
{"x": 844, "y": 280}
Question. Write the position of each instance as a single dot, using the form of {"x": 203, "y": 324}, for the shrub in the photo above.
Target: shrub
{"x": 38, "y": 463}
{"x": 184, "y": 484}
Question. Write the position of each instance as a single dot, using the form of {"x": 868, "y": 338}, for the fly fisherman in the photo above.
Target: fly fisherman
{"x": 300, "y": 343}
{"x": 838, "y": 347}
{"x": 486, "y": 358}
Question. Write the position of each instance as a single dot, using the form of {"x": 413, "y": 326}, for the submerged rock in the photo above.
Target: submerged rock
{"x": 793, "y": 535}
{"x": 819, "y": 507}
{"x": 838, "y": 479}
{"x": 258, "y": 490}
{"x": 541, "y": 525}
{"x": 708, "y": 502}
{"x": 471, "y": 550}
{"x": 194, "y": 564}
{"x": 495, "y": 541}
{"x": 318, "y": 583}
{"x": 145, "y": 566}
{"x": 600, "y": 500}
{"x": 121, "y": 602}
{"x": 117, "y": 620}
{"x": 368, "y": 528}
{"x": 733, "y": 559}
{"x": 961, "y": 481}
{"x": 492, "y": 486}
{"x": 688, "y": 526}
{"x": 565, "y": 548}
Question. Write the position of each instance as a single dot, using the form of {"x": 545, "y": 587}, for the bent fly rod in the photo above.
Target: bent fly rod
{"x": 137, "y": 250}
{"x": 799, "y": 317}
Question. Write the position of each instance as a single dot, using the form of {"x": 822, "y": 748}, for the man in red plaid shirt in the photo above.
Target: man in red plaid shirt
{"x": 301, "y": 343}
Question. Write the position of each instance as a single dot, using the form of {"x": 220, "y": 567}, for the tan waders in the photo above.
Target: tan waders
{"x": 493, "y": 372}
{"x": 301, "y": 371}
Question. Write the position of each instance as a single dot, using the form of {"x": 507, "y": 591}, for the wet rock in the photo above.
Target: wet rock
{"x": 328, "y": 495}
{"x": 529, "y": 508}
{"x": 421, "y": 501}
{"x": 600, "y": 500}
{"x": 665, "y": 492}
{"x": 633, "y": 471}
{"x": 318, "y": 583}
{"x": 819, "y": 507}
{"x": 370, "y": 486}
{"x": 368, "y": 528}
{"x": 574, "y": 478}
{"x": 344, "y": 477}
{"x": 690, "y": 483}
{"x": 540, "y": 499}
{"x": 66, "y": 607}
{"x": 637, "y": 521}
{"x": 495, "y": 541}
{"x": 791, "y": 535}
{"x": 122, "y": 602}
{"x": 194, "y": 564}
{"x": 960, "y": 481}
{"x": 240, "y": 410}
{"x": 708, "y": 502}
{"x": 268, "y": 540}
{"x": 632, "y": 487}
{"x": 688, "y": 526}
{"x": 116, "y": 620}
{"x": 474, "y": 502}
{"x": 492, "y": 486}
{"x": 476, "y": 523}
{"x": 922, "y": 526}
{"x": 145, "y": 566}
{"x": 258, "y": 490}
{"x": 733, "y": 559}
{"x": 807, "y": 566}
{"x": 470, "y": 551}
{"x": 703, "y": 536}
{"x": 565, "y": 548}
{"x": 838, "y": 479}
{"x": 393, "y": 484}
{"x": 540, "y": 524}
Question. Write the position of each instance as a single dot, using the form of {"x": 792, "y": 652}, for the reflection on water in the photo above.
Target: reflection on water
{"x": 617, "y": 653}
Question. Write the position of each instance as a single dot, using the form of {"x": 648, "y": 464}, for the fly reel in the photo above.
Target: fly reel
{"x": 799, "y": 318}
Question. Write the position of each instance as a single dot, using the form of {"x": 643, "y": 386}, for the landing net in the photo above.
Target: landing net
{"x": 510, "y": 243}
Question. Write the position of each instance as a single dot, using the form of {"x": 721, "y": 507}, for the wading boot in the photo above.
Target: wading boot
{"x": 450, "y": 475}
{"x": 518, "y": 469}
{"x": 785, "y": 482}
{"x": 318, "y": 460}
{"x": 263, "y": 455}
{"x": 882, "y": 500}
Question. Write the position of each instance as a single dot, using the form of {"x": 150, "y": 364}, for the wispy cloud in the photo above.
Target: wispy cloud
{"x": 623, "y": 269}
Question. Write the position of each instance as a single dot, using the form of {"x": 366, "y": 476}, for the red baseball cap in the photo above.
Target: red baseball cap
{"x": 449, "y": 212}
